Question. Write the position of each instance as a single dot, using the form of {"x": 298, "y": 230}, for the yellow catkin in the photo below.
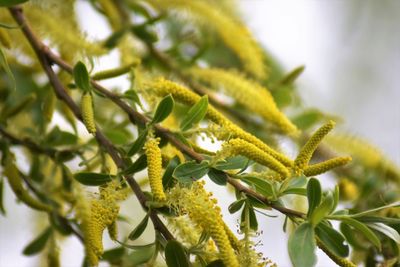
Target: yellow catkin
{"x": 98, "y": 215}
{"x": 238, "y": 146}
{"x": 110, "y": 166}
{"x": 189, "y": 234}
{"x": 203, "y": 211}
{"x": 248, "y": 93}
{"x": 154, "y": 168}
{"x": 233, "y": 33}
{"x": 163, "y": 87}
{"x": 49, "y": 105}
{"x": 308, "y": 149}
{"x": 65, "y": 35}
{"x": 14, "y": 179}
{"x": 348, "y": 189}
{"x": 5, "y": 39}
{"x": 88, "y": 113}
{"x": 325, "y": 166}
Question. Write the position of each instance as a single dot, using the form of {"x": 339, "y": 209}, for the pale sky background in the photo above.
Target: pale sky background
{"x": 351, "y": 49}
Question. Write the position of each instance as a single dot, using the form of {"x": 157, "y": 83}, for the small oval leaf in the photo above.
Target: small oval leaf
{"x": 81, "y": 76}
{"x": 301, "y": 246}
{"x": 168, "y": 179}
{"x": 195, "y": 114}
{"x": 191, "y": 171}
{"x": 92, "y": 178}
{"x": 261, "y": 186}
{"x": 38, "y": 243}
{"x": 139, "y": 229}
{"x": 137, "y": 166}
{"x": 138, "y": 144}
{"x": 236, "y": 206}
{"x": 217, "y": 176}
{"x": 175, "y": 255}
{"x": 332, "y": 239}
{"x": 314, "y": 195}
{"x": 8, "y": 3}
{"x": 164, "y": 108}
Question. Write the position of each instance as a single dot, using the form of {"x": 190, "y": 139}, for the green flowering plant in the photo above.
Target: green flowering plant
{"x": 90, "y": 148}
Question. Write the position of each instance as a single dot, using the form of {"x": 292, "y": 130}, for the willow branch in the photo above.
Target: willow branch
{"x": 41, "y": 52}
{"x": 139, "y": 119}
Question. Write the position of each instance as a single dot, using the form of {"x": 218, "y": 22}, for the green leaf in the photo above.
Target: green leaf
{"x": 60, "y": 224}
{"x": 2, "y": 210}
{"x": 292, "y": 76}
{"x": 332, "y": 239}
{"x": 295, "y": 191}
{"x": 139, "y": 256}
{"x": 236, "y": 206}
{"x": 351, "y": 237}
{"x": 307, "y": 119}
{"x": 217, "y": 176}
{"x": 262, "y": 186}
{"x": 139, "y": 229}
{"x": 322, "y": 210}
{"x": 168, "y": 179}
{"x": 253, "y": 223}
{"x": 301, "y": 246}
{"x": 232, "y": 163}
{"x": 363, "y": 229}
{"x": 60, "y": 138}
{"x": 374, "y": 219}
{"x": 314, "y": 195}
{"x": 190, "y": 171}
{"x": 297, "y": 182}
{"x": 38, "y": 243}
{"x": 92, "y": 178}
{"x": 8, "y": 3}
{"x": 137, "y": 166}
{"x": 6, "y": 67}
{"x": 113, "y": 255}
{"x": 175, "y": 255}
{"x": 138, "y": 144}
{"x": 195, "y": 114}
{"x": 81, "y": 76}
{"x": 164, "y": 108}
{"x": 392, "y": 205}
{"x": 386, "y": 230}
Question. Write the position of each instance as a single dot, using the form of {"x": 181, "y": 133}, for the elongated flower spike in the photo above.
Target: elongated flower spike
{"x": 248, "y": 93}
{"x": 154, "y": 168}
{"x": 325, "y": 166}
{"x": 96, "y": 216}
{"x": 238, "y": 146}
{"x": 204, "y": 212}
{"x": 163, "y": 87}
{"x": 309, "y": 148}
{"x": 11, "y": 172}
{"x": 88, "y": 113}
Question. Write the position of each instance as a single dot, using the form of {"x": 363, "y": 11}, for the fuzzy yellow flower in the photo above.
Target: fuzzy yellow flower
{"x": 248, "y": 93}
{"x": 203, "y": 211}
{"x": 88, "y": 113}
{"x": 325, "y": 166}
{"x": 238, "y": 146}
{"x": 309, "y": 148}
{"x": 154, "y": 168}
{"x": 163, "y": 87}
